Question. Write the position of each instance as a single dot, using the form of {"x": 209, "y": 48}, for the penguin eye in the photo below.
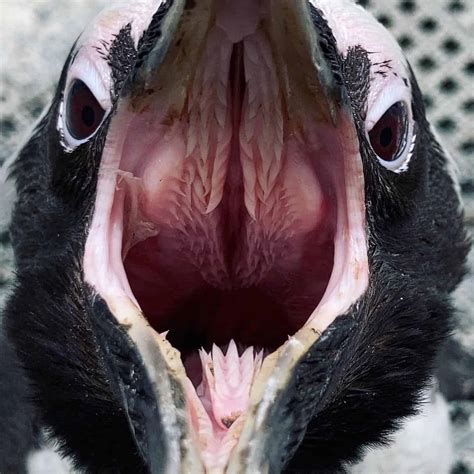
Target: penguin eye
{"x": 388, "y": 137}
{"x": 84, "y": 114}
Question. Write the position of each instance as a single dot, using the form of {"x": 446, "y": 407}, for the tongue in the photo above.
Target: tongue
{"x": 226, "y": 382}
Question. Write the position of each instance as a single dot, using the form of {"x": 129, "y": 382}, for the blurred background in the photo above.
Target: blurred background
{"x": 438, "y": 38}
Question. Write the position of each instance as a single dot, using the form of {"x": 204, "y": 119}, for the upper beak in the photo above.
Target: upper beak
{"x": 172, "y": 47}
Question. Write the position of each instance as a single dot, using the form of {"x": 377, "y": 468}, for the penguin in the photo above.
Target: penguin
{"x": 235, "y": 240}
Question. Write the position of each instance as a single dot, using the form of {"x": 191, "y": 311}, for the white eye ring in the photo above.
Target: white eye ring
{"x": 394, "y": 96}
{"x": 82, "y": 71}
{"x": 392, "y": 136}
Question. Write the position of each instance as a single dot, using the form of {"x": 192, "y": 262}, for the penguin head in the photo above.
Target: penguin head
{"x": 235, "y": 237}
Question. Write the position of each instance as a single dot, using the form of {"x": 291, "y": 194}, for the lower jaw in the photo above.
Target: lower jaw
{"x": 344, "y": 282}
{"x": 225, "y": 327}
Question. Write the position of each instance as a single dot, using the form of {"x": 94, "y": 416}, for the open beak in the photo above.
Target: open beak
{"x": 228, "y": 231}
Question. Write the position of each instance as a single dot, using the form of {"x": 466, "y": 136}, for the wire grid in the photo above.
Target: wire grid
{"x": 438, "y": 38}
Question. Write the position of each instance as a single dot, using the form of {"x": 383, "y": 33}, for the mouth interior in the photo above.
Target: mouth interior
{"x": 210, "y": 289}
{"x": 232, "y": 216}
{"x": 232, "y": 280}
{"x": 255, "y": 293}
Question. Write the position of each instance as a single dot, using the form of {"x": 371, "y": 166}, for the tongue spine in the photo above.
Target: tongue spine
{"x": 227, "y": 380}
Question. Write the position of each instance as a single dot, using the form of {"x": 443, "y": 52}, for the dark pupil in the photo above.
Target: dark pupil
{"x": 88, "y": 116}
{"x": 389, "y": 133}
{"x": 386, "y": 137}
{"x": 83, "y": 113}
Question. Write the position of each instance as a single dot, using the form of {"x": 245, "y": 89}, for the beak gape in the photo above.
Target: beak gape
{"x": 227, "y": 258}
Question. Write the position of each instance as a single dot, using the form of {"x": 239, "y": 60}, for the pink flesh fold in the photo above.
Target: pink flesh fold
{"x": 228, "y": 223}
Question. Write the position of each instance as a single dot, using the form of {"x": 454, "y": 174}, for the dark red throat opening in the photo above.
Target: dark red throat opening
{"x": 175, "y": 296}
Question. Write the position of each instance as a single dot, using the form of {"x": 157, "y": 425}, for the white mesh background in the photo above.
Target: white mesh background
{"x": 35, "y": 36}
{"x": 437, "y": 37}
